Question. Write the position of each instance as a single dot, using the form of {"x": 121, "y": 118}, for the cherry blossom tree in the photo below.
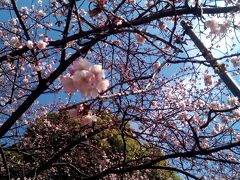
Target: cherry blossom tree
{"x": 78, "y": 75}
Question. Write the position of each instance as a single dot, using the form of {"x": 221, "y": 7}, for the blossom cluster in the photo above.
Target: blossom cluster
{"x": 235, "y": 61}
{"x": 218, "y": 128}
{"x": 149, "y": 3}
{"x": 233, "y": 101}
{"x": 84, "y": 119}
{"x": 156, "y": 65}
{"x": 4, "y": 3}
{"x": 207, "y": 79}
{"x": 87, "y": 78}
{"x": 131, "y": 1}
{"x": 141, "y": 39}
{"x": 16, "y": 42}
{"x": 216, "y": 27}
{"x": 192, "y": 3}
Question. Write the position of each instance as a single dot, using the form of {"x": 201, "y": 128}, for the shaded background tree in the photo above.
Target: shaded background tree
{"x": 157, "y": 82}
{"x": 43, "y": 137}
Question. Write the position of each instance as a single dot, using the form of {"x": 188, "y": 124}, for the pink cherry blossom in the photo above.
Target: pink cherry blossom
{"x": 118, "y": 21}
{"x": 224, "y": 27}
{"x": 237, "y": 137}
{"x": 87, "y": 78}
{"x": 73, "y": 113}
{"x": 235, "y": 61}
{"x": 82, "y": 79}
{"x": 14, "y": 40}
{"x": 131, "y": 1}
{"x": 30, "y": 44}
{"x": 25, "y": 10}
{"x": 41, "y": 13}
{"x": 213, "y": 24}
{"x": 68, "y": 84}
{"x": 98, "y": 72}
{"x": 233, "y": 101}
{"x": 192, "y": 3}
{"x": 13, "y": 21}
{"x": 149, "y": 3}
{"x": 40, "y": 2}
{"x": 156, "y": 65}
{"x": 207, "y": 79}
{"x": 41, "y": 44}
{"x": 79, "y": 65}
{"x": 140, "y": 38}
{"x": 102, "y": 85}
{"x": 88, "y": 119}
{"x": 236, "y": 112}
{"x": 214, "y": 105}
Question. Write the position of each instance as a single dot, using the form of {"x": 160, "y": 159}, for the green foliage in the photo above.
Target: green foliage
{"x": 112, "y": 141}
